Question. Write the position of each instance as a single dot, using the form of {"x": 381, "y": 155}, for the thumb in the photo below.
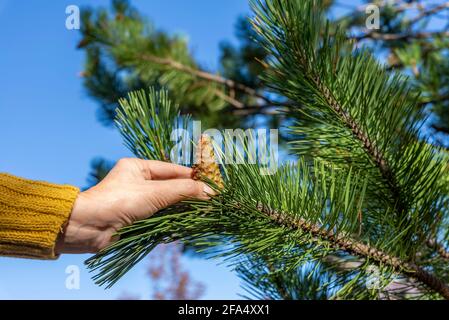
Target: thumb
{"x": 169, "y": 192}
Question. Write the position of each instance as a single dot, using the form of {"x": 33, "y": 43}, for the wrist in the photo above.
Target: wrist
{"x": 80, "y": 234}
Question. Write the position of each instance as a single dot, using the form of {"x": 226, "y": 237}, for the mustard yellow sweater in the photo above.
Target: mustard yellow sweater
{"x": 32, "y": 215}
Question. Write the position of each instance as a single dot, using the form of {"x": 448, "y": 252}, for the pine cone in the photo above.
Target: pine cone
{"x": 206, "y": 166}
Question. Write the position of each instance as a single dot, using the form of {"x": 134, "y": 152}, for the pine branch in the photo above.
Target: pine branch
{"x": 332, "y": 80}
{"x": 400, "y": 36}
{"x": 280, "y": 286}
{"x": 231, "y": 84}
{"x": 343, "y": 90}
{"x": 360, "y": 249}
{"x": 410, "y": 35}
{"x": 369, "y": 145}
{"x": 267, "y": 109}
{"x": 232, "y": 101}
{"x": 401, "y": 7}
{"x": 439, "y": 128}
{"x": 438, "y": 247}
{"x": 426, "y": 13}
{"x": 436, "y": 99}
{"x": 134, "y": 49}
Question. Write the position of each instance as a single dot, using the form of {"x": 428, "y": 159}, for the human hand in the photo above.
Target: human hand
{"x": 133, "y": 190}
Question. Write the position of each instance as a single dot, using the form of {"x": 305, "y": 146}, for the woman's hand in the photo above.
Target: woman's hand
{"x": 133, "y": 190}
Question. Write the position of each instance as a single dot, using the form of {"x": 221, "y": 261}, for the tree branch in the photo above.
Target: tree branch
{"x": 435, "y": 100}
{"x": 357, "y": 248}
{"x": 429, "y": 12}
{"x": 440, "y": 128}
{"x": 369, "y": 146}
{"x": 399, "y": 8}
{"x": 400, "y": 36}
{"x": 231, "y": 84}
{"x": 438, "y": 247}
{"x": 374, "y": 35}
{"x": 254, "y": 111}
{"x": 278, "y": 282}
{"x": 232, "y": 101}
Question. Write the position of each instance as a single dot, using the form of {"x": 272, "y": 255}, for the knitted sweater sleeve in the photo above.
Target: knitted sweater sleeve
{"x": 32, "y": 215}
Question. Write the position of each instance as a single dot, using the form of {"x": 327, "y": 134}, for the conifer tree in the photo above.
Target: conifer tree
{"x": 414, "y": 39}
{"x": 363, "y": 211}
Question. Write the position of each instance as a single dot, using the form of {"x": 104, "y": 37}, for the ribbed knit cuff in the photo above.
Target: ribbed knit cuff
{"x": 32, "y": 214}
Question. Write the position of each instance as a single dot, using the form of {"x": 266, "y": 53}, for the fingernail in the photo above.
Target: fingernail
{"x": 208, "y": 190}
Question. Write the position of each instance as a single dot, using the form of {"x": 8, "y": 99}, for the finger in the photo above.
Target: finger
{"x": 169, "y": 192}
{"x": 159, "y": 170}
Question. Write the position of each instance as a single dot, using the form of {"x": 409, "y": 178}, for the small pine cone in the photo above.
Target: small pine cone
{"x": 206, "y": 166}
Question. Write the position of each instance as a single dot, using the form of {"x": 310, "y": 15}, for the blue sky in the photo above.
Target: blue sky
{"x": 49, "y": 130}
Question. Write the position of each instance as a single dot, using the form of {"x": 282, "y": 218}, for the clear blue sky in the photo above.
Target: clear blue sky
{"x": 48, "y": 128}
